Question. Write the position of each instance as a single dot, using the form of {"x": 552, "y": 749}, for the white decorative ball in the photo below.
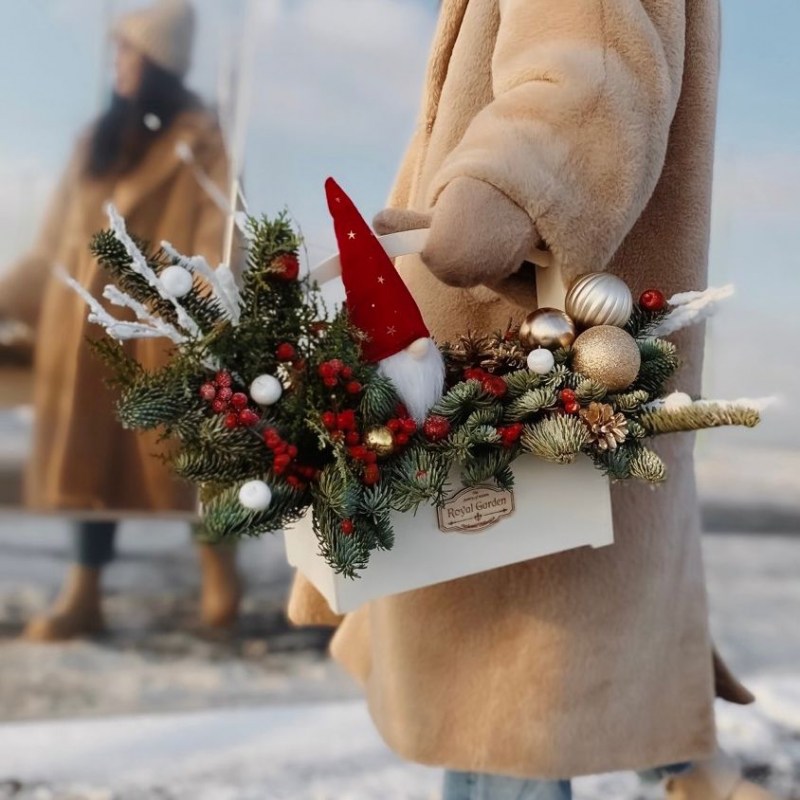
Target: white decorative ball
{"x": 177, "y": 281}
{"x": 255, "y": 495}
{"x": 266, "y": 390}
{"x": 677, "y": 400}
{"x": 541, "y": 361}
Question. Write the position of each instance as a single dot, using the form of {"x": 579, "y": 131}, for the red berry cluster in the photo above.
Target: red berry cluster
{"x": 569, "y": 401}
{"x": 342, "y": 423}
{"x": 436, "y": 428}
{"x": 510, "y": 434}
{"x": 492, "y": 384}
{"x": 286, "y": 267}
{"x": 284, "y": 462}
{"x": 334, "y": 372}
{"x": 402, "y": 427}
{"x": 223, "y": 400}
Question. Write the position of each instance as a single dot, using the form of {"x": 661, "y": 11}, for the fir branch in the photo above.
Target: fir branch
{"x": 489, "y": 465}
{"x": 462, "y": 400}
{"x": 557, "y": 438}
{"x": 419, "y": 476}
{"x": 521, "y": 382}
{"x": 659, "y": 362}
{"x": 530, "y": 404}
{"x": 629, "y": 402}
{"x": 590, "y": 391}
{"x": 646, "y": 465}
{"x": 378, "y": 400}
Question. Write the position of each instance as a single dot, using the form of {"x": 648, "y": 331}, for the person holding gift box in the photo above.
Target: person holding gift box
{"x": 583, "y": 131}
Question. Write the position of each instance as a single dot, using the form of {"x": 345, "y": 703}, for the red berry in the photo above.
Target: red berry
{"x": 330, "y": 382}
{"x": 652, "y": 300}
{"x": 282, "y": 460}
{"x": 409, "y": 426}
{"x": 567, "y": 396}
{"x": 371, "y": 457}
{"x": 495, "y": 386}
{"x": 346, "y": 420}
{"x": 354, "y": 387}
{"x": 225, "y": 394}
{"x": 223, "y": 378}
{"x": 474, "y": 374}
{"x": 572, "y": 408}
{"x": 219, "y": 406}
{"x": 248, "y": 417}
{"x": 292, "y": 451}
{"x": 239, "y": 400}
{"x": 359, "y": 452}
{"x": 400, "y": 411}
{"x": 329, "y": 420}
{"x": 338, "y": 365}
{"x": 296, "y": 483}
{"x": 352, "y": 439}
{"x": 325, "y": 370}
{"x": 231, "y": 420}
{"x": 285, "y": 352}
{"x": 401, "y": 439}
{"x": 286, "y": 266}
{"x": 271, "y": 438}
{"x": 372, "y": 474}
{"x": 394, "y": 425}
{"x": 436, "y": 428}
{"x": 347, "y": 373}
{"x": 208, "y": 391}
{"x": 348, "y": 527}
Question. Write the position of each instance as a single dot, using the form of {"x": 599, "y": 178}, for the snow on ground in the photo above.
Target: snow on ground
{"x": 304, "y": 752}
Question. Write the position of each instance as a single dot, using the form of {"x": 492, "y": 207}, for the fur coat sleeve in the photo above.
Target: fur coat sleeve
{"x": 584, "y": 95}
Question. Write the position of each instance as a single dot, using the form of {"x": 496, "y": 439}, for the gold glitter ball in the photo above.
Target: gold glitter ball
{"x": 380, "y": 440}
{"x": 608, "y": 355}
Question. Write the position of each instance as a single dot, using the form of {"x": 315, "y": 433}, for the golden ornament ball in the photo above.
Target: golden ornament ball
{"x": 599, "y": 299}
{"x": 380, "y": 440}
{"x": 548, "y": 328}
{"x": 608, "y": 355}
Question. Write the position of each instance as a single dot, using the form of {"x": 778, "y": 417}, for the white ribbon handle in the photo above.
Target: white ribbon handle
{"x": 550, "y": 289}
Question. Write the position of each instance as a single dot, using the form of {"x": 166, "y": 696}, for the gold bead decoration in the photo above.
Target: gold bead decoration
{"x": 548, "y": 328}
{"x": 607, "y": 355}
{"x": 380, "y": 440}
{"x": 599, "y": 299}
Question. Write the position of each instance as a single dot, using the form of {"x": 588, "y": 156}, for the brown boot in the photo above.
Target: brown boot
{"x": 77, "y": 612}
{"x": 222, "y": 591}
{"x": 717, "y": 779}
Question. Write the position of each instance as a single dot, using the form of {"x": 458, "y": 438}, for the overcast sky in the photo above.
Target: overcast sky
{"x": 337, "y": 91}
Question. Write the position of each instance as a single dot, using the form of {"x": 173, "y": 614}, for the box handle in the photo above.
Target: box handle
{"x": 550, "y": 288}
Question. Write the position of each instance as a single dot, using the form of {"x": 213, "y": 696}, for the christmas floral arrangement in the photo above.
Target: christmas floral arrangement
{"x": 272, "y": 405}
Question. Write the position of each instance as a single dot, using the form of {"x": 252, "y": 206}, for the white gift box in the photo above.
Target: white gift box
{"x": 552, "y": 508}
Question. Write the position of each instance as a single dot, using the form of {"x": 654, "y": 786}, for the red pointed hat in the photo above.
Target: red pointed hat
{"x": 378, "y": 302}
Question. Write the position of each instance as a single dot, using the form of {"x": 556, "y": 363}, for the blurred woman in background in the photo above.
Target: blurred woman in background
{"x": 83, "y": 463}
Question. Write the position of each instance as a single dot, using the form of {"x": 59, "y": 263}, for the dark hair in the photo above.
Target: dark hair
{"x": 121, "y": 136}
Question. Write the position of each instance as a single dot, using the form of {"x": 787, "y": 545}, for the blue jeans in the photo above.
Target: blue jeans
{"x": 479, "y": 786}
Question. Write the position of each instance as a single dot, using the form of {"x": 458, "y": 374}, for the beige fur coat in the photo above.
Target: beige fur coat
{"x": 83, "y": 460}
{"x": 597, "y": 118}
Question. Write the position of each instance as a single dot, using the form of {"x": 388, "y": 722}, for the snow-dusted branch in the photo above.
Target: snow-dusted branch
{"x": 115, "y": 328}
{"x": 140, "y": 266}
{"x": 691, "y": 308}
{"x": 119, "y": 298}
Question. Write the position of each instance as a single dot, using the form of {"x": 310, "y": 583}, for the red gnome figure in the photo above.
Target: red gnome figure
{"x": 380, "y": 305}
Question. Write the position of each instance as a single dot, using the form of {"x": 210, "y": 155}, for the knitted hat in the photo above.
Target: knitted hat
{"x": 163, "y": 32}
{"x": 378, "y": 301}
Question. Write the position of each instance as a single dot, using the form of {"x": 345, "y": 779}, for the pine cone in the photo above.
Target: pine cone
{"x": 462, "y": 354}
{"x": 502, "y": 355}
{"x": 606, "y": 429}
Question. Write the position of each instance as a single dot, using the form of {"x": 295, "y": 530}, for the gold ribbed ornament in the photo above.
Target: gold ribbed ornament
{"x": 599, "y": 299}
{"x": 548, "y": 328}
{"x": 607, "y": 355}
{"x": 380, "y": 440}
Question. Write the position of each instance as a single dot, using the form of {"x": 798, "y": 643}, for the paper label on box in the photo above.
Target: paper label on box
{"x": 475, "y": 509}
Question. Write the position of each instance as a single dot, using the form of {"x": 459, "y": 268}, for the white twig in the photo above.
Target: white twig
{"x": 140, "y": 266}
{"x": 690, "y": 308}
{"x": 679, "y": 400}
{"x": 119, "y": 298}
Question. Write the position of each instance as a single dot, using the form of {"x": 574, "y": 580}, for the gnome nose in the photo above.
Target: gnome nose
{"x": 418, "y": 349}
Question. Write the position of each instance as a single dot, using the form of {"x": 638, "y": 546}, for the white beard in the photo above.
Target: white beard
{"x": 418, "y": 379}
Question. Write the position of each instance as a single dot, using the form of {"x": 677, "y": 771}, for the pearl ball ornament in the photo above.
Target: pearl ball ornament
{"x": 266, "y": 390}
{"x": 608, "y": 355}
{"x": 255, "y": 495}
{"x": 541, "y": 361}
{"x": 599, "y": 298}
{"x": 177, "y": 281}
